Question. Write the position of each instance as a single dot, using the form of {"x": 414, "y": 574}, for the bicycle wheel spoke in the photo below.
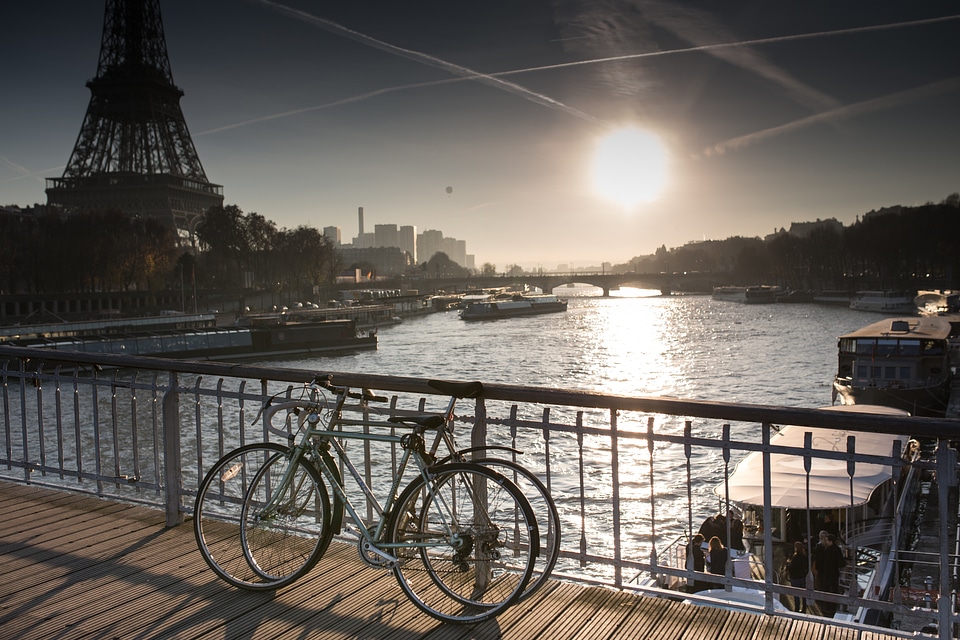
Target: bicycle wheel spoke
{"x": 545, "y": 511}
{"x": 473, "y": 542}
{"x": 224, "y": 494}
{"x": 285, "y": 521}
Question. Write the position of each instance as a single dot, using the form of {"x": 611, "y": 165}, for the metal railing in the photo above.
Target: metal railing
{"x": 630, "y": 475}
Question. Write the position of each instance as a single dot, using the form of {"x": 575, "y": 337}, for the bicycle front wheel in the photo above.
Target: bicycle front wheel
{"x": 217, "y": 509}
{"x": 285, "y": 522}
{"x": 466, "y": 542}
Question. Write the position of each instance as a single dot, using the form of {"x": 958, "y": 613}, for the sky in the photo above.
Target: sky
{"x": 568, "y": 132}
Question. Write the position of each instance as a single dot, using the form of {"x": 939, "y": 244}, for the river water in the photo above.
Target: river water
{"x": 634, "y": 343}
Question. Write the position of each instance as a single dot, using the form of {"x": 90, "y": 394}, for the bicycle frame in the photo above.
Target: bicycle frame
{"x": 315, "y": 444}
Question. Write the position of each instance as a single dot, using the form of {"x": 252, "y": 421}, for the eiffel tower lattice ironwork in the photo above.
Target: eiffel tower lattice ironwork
{"x": 134, "y": 152}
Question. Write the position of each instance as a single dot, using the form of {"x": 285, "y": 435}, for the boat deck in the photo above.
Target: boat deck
{"x": 75, "y": 566}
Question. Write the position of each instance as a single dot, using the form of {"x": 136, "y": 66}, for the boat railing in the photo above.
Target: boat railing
{"x": 630, "y": 475}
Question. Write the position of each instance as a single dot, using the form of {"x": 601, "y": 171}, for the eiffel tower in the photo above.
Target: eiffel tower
{"x": 134, "y": 152}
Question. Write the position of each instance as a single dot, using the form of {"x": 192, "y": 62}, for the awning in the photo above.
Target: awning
{"x": 830, "y": 486}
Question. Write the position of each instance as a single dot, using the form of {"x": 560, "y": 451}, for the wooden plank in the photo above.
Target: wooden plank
{"x": 100, "y": 569}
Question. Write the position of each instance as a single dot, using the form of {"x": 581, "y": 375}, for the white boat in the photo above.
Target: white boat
{"x": 897, "y": 362}
{"x": 730, "y": 294}
{"x": 495, "y": 308}
{"x": 898, "y": 302}
{"x": 758, "y": 294}
{"x": 862, "y": 507}
{"x": 737, "y": 599}
{"x": 931, "y": 303}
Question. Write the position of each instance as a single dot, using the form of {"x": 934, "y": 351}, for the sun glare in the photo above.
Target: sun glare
{"x": 630, "y": 167}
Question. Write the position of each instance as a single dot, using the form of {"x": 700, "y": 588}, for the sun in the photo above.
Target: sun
{"x": 630, "y": 167}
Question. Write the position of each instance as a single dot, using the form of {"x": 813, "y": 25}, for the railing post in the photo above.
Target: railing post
{"x": 478, "y": 435}
{"x": 172, "y": 471}
{"x": 946, "y": 478}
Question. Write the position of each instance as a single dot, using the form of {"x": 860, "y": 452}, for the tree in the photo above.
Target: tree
{"x": 488, "y": 269}
{"x": 441, "y": 266}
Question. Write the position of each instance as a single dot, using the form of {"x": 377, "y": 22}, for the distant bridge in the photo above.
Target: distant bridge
{"x": 665, "y": 282}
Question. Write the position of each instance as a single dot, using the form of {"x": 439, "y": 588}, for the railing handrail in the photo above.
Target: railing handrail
{"x": 894, "y": 425}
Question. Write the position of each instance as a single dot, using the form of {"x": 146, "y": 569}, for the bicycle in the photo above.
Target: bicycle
{"x": 461, "y": 538}
{"x": 544, "y": 508}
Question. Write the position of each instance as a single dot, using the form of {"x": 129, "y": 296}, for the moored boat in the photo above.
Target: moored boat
{"x": 805, "y": 483}
{"x": 518, "y": 305}
{"x": 227, "y": 343}
{"x": 889, "y": 301}
{"x": 858, "y": 504}
{"x": 896, "y": 362}
{"x": 757, "y": 294}
{"x": 730, "y": 294}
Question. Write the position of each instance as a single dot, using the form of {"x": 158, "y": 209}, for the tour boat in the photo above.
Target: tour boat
{"x": 492, "y": 308}
{"x": 896, "y": 302}
{"x": 897, "y": 362}
{"x": 759, "y": 294}
{"x": 278, "y": 339}
{"x": 862, "y": 502}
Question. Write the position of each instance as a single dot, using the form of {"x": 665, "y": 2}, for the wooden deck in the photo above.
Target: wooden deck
{"x": 74, "y": 566}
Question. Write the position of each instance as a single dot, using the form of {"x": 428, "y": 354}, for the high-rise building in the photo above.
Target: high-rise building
{"x": 408, "y": 241}
{"x": 333, "y": 234}
{"x": 428, "y": 243}
{"x": 386, "y": 235}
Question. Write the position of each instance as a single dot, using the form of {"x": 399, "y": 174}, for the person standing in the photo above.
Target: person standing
{"x": 827, "y": 564}
{"x": 696, "y": 560}
{"x": 717, "y": 556}
{"x": 797, "y": 570}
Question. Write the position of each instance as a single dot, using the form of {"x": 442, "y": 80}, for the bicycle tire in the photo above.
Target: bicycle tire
{"x": 217, "y": 514}
{"x": 545, "y": 512}
{"x": 284, "y": 535}
{"x": 463, "y": 578}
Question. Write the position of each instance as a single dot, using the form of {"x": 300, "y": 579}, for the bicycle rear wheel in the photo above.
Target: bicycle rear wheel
{"x": 466, "y": 542}
{"x": 544, "y": 510}
{"x": 285, "y": 520}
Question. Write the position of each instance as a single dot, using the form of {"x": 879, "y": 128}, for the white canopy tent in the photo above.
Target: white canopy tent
{"x": 830, "y": 486}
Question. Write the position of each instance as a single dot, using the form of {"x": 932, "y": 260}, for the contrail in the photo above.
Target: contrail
{"x": 433, "y": 61}
{"x": 494, "y": 78}
{"x": 335, "y": 103}
{"x": 728, "y": 45}
{"x": 865, "y": 106}
{"x": 24, "y": 172}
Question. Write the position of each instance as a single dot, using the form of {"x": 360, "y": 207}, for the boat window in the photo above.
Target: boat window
{"x": 195, "y": 341}
{"x": 886, "y": 346}
{"x": 173, "y": 343}
{"x": 848, "y": 345}
{"x": 865, "y": 347}
{"x": 218, "y": 340}
{"x": 905, "y": 373}
{"x": 932, "y": 347}
{"x": 890, "y": 373}
{"x": 241, "y": 339}
{"x": 862, "y": 371}
{"x": 148, "y": 344}
{"x": 875, "y": 372}
{"x": 910, "y": 347}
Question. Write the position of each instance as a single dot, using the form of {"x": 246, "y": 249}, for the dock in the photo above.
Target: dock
{"x": 78, "y": 566}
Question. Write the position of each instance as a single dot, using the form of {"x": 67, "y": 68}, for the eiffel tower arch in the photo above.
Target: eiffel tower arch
{"x": 134, "y": 152}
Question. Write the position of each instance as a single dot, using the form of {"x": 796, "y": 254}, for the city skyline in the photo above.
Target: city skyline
{"x": 484, "y": 122}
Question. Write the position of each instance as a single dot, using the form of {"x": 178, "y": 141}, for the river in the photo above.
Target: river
{"x": 633, "y": 343}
